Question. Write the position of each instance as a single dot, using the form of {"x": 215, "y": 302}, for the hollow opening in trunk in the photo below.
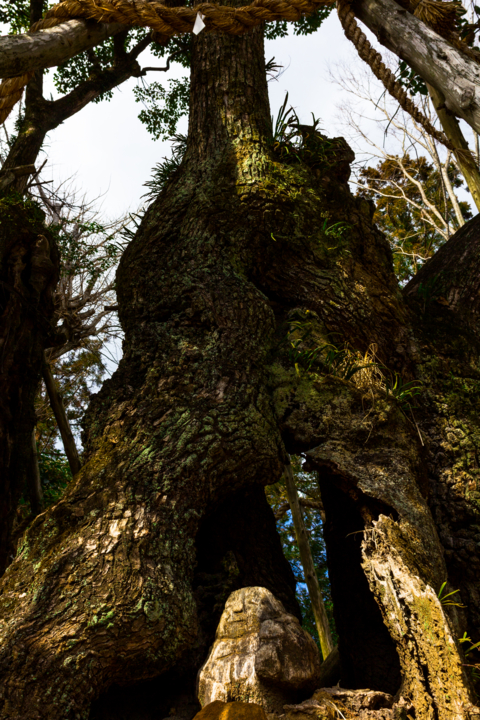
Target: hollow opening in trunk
{"x": 237, "y": 545}
{"x": 368, "y": 654}
{"x": 170, "y": 696}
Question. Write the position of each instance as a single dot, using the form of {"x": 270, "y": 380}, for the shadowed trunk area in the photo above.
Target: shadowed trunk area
{"x": 29, "y": 266}
{"x": 237, "y": 546}
{"x": 234, "y": 283}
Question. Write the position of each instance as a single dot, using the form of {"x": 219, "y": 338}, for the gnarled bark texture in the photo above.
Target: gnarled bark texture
{"x": 28, "y": 274}
{"x": 206, "y": 404}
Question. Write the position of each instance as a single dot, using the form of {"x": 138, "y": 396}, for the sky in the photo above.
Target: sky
{"x": 111, "y": 153}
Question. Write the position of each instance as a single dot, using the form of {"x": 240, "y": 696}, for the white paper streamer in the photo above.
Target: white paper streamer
{"x": 199, "y": 24}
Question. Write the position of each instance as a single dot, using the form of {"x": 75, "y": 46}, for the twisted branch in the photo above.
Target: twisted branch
{"x": 380, "y": 70}
{"x": 168, "y": 21}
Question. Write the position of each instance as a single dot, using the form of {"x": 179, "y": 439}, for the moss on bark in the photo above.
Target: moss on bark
{"x": 205, "y": 405}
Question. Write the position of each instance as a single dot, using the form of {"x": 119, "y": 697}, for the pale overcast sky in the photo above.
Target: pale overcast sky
{"x": 111, "y": 152}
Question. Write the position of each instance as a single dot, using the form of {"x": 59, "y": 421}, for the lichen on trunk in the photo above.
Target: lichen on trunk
{"x": 239, "y": 249}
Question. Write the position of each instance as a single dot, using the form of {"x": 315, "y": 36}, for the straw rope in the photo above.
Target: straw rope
{"x": 164, "y": 21}
{"x": 168, "y": 21}
{"x": 380, "y": 70}
{"x": 11, "y": 91}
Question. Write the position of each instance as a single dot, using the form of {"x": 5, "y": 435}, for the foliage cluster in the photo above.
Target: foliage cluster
{"x": 295, "y": 142}
{"x": 400, "y": 208}
{"x": 304, "y": 26}
{"x": 15, "y": 14}
{"x": 54, "y": 475}
{"x": 164, "y": 170}
{"x": 163, "y": 106}
{"x": 316, "y": 356}
{"x": 80, "y": 68}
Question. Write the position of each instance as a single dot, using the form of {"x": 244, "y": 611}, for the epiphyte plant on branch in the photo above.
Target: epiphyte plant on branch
{"x": 115, "y": 584}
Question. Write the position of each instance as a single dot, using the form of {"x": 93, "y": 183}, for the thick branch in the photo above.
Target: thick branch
{"x": 46, "y": 115}
{"x": 439, "y": 63}
{"x": 48, "y": 48}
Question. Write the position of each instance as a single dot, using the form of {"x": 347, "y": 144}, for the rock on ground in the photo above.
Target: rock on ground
{"x": 219, "y": 710}
{"x": 336, "y": 702}
{"x": 261, "y": 654}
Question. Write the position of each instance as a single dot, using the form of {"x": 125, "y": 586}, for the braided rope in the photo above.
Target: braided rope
{"x": 168, "y": 21}
{"x": 163, "y": 21}
{"x": 380, "y": 70}
{"x": 11, "y": 91}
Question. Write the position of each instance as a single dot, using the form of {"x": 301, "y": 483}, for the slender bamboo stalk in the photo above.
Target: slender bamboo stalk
{"x": 321, "y": 621}
{"x": 452, "y": 130}
{"x": 62, "y": 420}
{"x": 34, "y": 481}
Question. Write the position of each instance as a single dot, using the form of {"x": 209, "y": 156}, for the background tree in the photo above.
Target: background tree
{"x": 415, "y": 182}
{"x": 247, "y": 238}
{"x": 83, "y": 327}
{"x": 410, "y": 197}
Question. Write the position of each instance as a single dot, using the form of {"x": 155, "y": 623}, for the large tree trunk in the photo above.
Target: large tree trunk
{"x": 28, "y": 274}
{"x": 48, "y": 48}
{"x": 204, "y": 408}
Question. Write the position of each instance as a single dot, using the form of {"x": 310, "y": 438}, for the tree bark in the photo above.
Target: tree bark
{"x": 465, "y": 160}
{"x": 42, "y": 116}
{"x": 58, "y": 408}
{"x": 319, "y": 613}
{"x": 449, "y": 71}
{"x": 48, "y": 48}
{"x": 239, "y": 250}
{"x": 28, "y": 273}
{"x": 448, "y": 287}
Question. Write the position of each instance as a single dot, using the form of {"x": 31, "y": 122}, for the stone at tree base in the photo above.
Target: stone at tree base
{"x": 328, "y": 703}
{"x": 261, "y": 654}
{"x": 218, "y": 710}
